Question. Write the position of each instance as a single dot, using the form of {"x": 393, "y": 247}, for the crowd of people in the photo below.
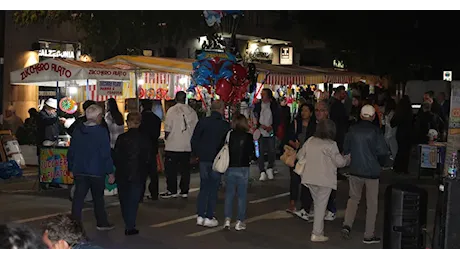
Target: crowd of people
{"x": 327, "y": 135}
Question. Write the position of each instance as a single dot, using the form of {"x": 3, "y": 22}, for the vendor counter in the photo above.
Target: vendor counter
{"x": 54, "y": 167}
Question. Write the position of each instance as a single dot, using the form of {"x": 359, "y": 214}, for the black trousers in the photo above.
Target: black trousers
{"x": 152, "y": 173}
{"x": 401, "y": 163}
{"x": 177, "y": 163}
{"x": 296, "y": 189}
{"x": 128, "y": 193}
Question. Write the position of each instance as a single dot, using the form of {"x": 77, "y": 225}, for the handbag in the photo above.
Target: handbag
{"x": 289, "y": 156}
{"x": 222, "y": 159}
{"x": 300, "y": 165}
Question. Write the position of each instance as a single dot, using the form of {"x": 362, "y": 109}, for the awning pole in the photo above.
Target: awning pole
{"x": 136, "y": 89}
{"x": 87, "y": 89}
{"x": 58, "y": 95}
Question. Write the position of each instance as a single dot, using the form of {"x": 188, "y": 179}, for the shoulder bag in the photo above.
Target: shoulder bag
{"x": 222, "y": 159}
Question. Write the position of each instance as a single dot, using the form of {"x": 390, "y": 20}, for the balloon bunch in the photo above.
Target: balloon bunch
{"x": 222, "y": 71}
{"x": 215, "y": 17}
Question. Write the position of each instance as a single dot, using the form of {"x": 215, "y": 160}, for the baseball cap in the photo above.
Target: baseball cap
{"x": 367, "y": 111}
{"x": 51, "y": 102}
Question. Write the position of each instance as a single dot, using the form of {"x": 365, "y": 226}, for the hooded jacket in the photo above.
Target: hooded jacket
{"x": 89, "y": 152}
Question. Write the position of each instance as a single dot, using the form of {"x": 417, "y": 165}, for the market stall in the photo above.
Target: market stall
{"x": 70, "y": 79}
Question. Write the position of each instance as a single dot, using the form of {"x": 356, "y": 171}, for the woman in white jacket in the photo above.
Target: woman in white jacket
{"x": 321, "y": 157}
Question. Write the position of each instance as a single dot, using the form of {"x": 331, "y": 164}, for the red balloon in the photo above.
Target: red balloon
{"x": 239, "y": 74}
{"x": 224, "y": 89}
{"x": 240, "y": 92}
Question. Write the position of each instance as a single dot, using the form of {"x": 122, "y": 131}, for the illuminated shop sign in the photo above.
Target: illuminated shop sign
{"x": 49, "y": 53}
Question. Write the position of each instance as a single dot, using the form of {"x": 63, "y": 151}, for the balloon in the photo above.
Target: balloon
{"x": 239, "y": 74}
{"x": 232, "y": 12}
{"x": 224, "y": 89}
{"x": 212, "y": 17}
{"x": 196, "y": 65}
{"x": 202, "y": 81}
{"x": 206, "y": 64}
{"x": 227, "y": 74}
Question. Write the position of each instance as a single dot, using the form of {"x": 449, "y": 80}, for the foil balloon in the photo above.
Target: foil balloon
{"x": 239, "y": 74}
{"x": 212, "y": 17}
{"x": 224, "y": 90}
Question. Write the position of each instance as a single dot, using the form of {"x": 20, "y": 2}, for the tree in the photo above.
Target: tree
{"x": 110, "y": 33}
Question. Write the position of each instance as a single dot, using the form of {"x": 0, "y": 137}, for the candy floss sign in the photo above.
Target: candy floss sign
{"x": 43, "y": 67}
{"x": 110, "y": 88}
{"x": 54, "y": 167}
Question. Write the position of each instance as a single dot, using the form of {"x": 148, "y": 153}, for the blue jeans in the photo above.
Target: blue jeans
{"x": 236, "y": 180}
{"x": 97, "y": 186}
{"x": 129, "y": 193}
{"x": 209, "y": 187}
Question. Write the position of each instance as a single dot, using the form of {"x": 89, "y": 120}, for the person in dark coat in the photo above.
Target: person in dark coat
{"x": 89, "y": 159}
{"x": 133, "y": 156}
{"x": 81, "y": 119}
{"x": 425, "y": 121}
{"x": 151, "y": 127}
{"x": 48, "y": 123}
{"x": 338, "y": 115}
{"x": 403, "y": 120}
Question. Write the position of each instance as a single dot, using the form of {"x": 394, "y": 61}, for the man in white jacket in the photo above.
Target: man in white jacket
{"x": 180, "y": 123}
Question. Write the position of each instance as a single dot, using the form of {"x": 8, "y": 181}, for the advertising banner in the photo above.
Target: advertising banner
{"x": 53, "y": 166}
{"x": 110, "y": 88}
{"x": 428, "y": 157}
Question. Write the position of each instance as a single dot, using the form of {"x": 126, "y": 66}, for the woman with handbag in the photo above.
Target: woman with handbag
{"x": 322, "y": 156}
{"x": 302, "y": 128}
{"x": 241, "y": 149}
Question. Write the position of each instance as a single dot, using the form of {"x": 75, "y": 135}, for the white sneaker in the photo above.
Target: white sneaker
{"x": 263, "y": 176}
{"x": 240, "y": 226}
{"x": 302, "y": 214}
{"x": 210, "y": 222}
{"x": 199, "y": 221}
{"x": 270, "y": 174}
{"x": 315, "y": 238}
{"x": 227, "y": 224}
{"x": 329, "y": 216}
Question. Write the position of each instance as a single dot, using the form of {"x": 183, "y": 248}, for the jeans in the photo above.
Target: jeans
{"x": 267, "y": 145}
{"x": 331, "y": 205}
{"x": 97, "y": 186}
{"x": 177, "y": 162}
{"x": 236, "y": 181}
{"x": 209, "y": 187}
{"x": 129, "y": 193}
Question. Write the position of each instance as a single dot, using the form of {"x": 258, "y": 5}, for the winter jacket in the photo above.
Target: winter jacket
{"x": 48, "y": 127}
{"x": 151, "y": 127}
{"x": 276, "y": 114}
{"x": 241, "y": 148}
{"x": 180, "y": 123}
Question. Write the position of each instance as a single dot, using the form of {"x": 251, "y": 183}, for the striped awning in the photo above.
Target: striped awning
{"x": 165, "y": 65}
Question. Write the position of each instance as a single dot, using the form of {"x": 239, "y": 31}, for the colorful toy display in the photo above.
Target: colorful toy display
{"x": 68, "y": 105}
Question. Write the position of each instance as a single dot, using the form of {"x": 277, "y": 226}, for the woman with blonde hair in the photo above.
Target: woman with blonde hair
{"x": 241, "y": 149}
{"x": 322, "y": 156}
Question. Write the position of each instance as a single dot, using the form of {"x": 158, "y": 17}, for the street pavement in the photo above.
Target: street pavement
{"x": 171, "y": 223}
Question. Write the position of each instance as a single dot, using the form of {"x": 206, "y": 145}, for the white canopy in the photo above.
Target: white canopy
{"x": 52, "y": 72}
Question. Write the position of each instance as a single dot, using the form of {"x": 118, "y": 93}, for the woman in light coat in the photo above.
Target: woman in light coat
{"x": 322, "y": 156}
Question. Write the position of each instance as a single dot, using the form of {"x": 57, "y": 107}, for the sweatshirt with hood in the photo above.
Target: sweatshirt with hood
{"x": 180, "y": 123}
{"x": 89, "y": 152}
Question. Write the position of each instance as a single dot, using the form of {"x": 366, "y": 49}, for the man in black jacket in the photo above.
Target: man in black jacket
{"x": 207, "y": 140}
{"x": 366, "y": 144}
{"x": 132, "y": 157}
{"x": 338, "y": 114}
{"x": 151, "y": 127}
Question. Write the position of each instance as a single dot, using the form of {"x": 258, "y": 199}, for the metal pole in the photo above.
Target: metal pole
{"x": 136, "y": 89}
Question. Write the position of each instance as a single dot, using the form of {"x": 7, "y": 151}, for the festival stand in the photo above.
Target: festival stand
{"x": 64, "y": 73}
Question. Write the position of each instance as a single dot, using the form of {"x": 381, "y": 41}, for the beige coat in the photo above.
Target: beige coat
{"x": 322, "y": 160}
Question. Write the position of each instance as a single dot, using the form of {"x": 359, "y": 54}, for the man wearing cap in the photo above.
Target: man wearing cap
{"x": 48, "y": 123}
{"x": 366, "y": 144}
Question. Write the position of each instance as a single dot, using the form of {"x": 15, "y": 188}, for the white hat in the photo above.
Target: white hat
{"x": 367, "y": 111}
{"x": 51, "y": 102}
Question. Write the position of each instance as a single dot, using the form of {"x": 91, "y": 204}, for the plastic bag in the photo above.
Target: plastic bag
{"x": 10, "y": 169}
